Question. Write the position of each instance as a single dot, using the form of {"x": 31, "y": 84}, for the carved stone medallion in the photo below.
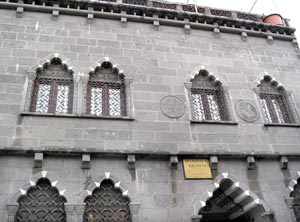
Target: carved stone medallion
{"x": 172, "y": 106}
{"x": 247, "y": 111}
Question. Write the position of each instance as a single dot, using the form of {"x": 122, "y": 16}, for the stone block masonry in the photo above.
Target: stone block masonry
{"x": 138, "y": 150}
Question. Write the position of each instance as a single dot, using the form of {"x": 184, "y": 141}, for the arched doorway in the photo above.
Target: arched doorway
{"x": 230, "y": 203}
{"x": 295, "y": 194}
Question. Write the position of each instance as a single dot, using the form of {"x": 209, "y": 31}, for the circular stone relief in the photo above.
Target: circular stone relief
{"x": 172, "y": 106}
{"x": 247, "y": 111}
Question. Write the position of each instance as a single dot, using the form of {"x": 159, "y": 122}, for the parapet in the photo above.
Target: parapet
{"x": 161, "y": 13}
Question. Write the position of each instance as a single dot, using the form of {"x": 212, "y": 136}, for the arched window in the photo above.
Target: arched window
{"x": 207, "y": 98}
{"x": 106, "y": 92}
{"x": 53, "y": 89}
{"x": 273, "y": 101}
{"x": 295, "y": 194}
{"x": 41, "y": 203}
{"x": 107, "y": 204}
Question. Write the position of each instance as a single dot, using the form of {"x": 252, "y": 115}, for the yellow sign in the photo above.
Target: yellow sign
{"x": 197, "y": 169}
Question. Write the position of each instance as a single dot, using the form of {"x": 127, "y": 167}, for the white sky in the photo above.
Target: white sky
{"x": 287, "y": 8}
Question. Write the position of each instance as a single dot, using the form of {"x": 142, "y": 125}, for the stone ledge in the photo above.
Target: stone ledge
{"x": 214, "y": 122}
{"x": 126, "y": 118}
{"x": 281, "y": 125}
{"x": 58, "y": 151}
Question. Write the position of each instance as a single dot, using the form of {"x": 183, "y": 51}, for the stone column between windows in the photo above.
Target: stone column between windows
{"x": 74, "y": 213}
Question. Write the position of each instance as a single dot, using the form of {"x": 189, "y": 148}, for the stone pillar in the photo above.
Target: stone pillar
{"x": 80, "y": 81}
{"x": 134, "y": 209}
{"x": 70, "y": 212}
{"x": 11, "y": 212}
{"x": 79, "y": 211}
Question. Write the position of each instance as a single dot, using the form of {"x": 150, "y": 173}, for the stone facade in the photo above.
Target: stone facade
{"x": 158, "y": 64}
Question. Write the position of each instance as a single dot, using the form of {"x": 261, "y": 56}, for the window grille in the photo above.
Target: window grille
{"x": 53, "y": 89}
{"x": 41, "y": 203}
{"x": 107, "y": 204}
{"x": 207, "y": 99}
{"x": 106, "y": 92}
{"x": 221, "y": 13}
{"x": 273, "y": 103}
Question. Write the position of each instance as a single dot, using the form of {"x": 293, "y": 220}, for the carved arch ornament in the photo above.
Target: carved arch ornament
{"x": 53, "y": 88}
{"x": 276, "y": 102}
{"x": 107, "y": 202}
{"x": 79, "y": 79}
{"x": 292, "y": 196}
{"x": 231, "y": 201}
{"x": 39, "y": 200}
{"x": 109, "y": 76}
{"x": 50, "y": 82}
{"x": 75, "y": 211}
{"x": 209, "y": 98}
{"x": 106, "y": 91}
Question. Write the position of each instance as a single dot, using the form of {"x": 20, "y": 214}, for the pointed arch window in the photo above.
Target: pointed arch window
{"x": 107, "y": 204}
{"x": 273, "y": 102}
{"x": 207, "y": 98}
{"x": 53, "y": 89}
{"x": 41, "y": 203}
{"x": 106, "y": 92}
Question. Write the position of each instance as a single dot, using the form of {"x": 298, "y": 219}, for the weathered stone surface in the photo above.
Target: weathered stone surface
{"x": 158, "y": 63}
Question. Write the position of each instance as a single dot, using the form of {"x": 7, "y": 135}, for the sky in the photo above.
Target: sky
{"x": 287, "y": 8}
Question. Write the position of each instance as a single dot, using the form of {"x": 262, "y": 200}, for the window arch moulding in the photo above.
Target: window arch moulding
{"x": 50, "y": 88}
{"x": 240, "y": 200}
{"x": 39, "y": 189}
{"x": 77, "y": 101}
{"x": 125, "y": 208}
{"x": 209, "y": 100}
{"x": 276, "y": 104}
{"x": 108, "y": 92}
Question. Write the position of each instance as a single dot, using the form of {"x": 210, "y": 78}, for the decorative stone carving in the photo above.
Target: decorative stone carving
{"x": 247, "y": 111}
{"x": 107, "y": 204}
{"x": 11, "y": 211}
{"x": 86, "y": 161}
{"x": 172, "y": 106}
{"x": 251, "y": 163}
{"x": 106, "y": 91}
{"x": 219, "y": 204}
{"x": 38, "y": 160}
{"x": 221, "y": 13}
{"x": 131, "y": 162}
{"x": 284, "y": 162}
{"x": 214, "y": 162}
{"x": 53, "y": 88}
{"x": 42, "y": 203}
{"x": 174, "y": 162}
